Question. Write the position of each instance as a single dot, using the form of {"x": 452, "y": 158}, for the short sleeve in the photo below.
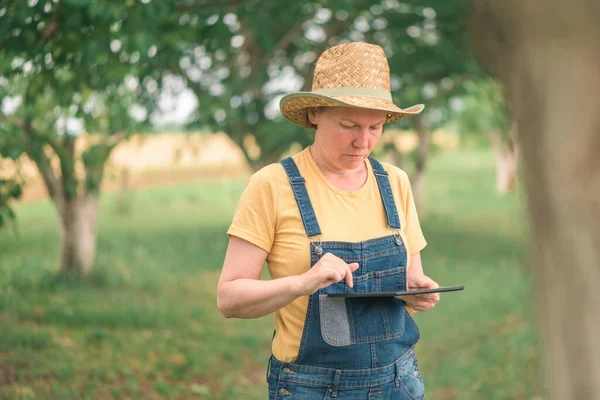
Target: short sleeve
{"x": 256, "y": 215}
{"x": 414, "y": 234}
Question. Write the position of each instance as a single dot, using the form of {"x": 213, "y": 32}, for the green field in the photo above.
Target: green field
{"x": 146, "y": 325}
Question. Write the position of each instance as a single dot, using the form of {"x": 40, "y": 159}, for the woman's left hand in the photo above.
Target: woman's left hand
{"x": 421, "y": 302}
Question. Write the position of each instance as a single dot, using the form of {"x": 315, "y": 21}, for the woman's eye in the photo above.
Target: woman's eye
{"x": 347, "y": 126}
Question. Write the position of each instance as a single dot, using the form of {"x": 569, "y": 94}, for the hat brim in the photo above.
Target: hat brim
{"x": 294, "y": 107}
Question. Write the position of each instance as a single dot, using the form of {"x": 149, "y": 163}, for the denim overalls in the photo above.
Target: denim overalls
{"x": 353, "y": 348}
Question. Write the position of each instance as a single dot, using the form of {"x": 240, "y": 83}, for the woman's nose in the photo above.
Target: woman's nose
{"x": 362, "y": 140}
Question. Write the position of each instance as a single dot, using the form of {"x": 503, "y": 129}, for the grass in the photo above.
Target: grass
{"x": 145, "y": 325}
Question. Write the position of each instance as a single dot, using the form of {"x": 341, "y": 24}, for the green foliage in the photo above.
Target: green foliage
{"x": 10, "y": 190}
{"x": 97, "y": 61}
{"x": 484, "y": 109}
{"x": 74, "y": 66}
{"x": 245, "y": 63}
{"x": 147, "y": 326}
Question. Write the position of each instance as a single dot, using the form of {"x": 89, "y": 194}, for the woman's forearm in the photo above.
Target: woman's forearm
{"x": 253, "y": 298}
{"x": 416, "y": 267}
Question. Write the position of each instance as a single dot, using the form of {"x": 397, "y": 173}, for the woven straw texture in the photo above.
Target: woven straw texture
{"x": 352, "y": 65}
{"x": 349, "y": 65}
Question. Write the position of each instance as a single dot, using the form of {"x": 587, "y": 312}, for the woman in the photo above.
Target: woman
{"x": 333, "y": 220}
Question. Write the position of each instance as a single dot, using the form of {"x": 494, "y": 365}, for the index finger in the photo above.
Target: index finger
{"x": 349, "y": 279}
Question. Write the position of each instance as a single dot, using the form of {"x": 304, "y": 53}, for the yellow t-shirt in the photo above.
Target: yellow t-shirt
{"x": 267, "y": 215}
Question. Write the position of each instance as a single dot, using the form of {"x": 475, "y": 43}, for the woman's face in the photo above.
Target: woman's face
{"x": 346, "y": 135}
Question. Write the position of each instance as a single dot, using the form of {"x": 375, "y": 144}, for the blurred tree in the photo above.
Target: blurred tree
{"x": 439, "y": 114}
{"x": 430, "y": 61}
{"x": 10, "y": 189}
{"x": 546, "y": 54}
{"x": 242, "y": 63}
{"x": 69, "y": 66}
{"x": 484, "y": 109}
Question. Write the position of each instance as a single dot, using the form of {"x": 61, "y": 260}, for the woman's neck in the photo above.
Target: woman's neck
{"x": 343, "y": 179}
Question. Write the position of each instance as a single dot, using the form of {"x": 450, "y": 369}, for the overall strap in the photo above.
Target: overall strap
{"x": 311, "y": 226}
{"x": 386, "y": 194}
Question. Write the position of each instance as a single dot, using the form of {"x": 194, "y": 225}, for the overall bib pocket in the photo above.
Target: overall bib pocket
{"x": 346, "y": 321}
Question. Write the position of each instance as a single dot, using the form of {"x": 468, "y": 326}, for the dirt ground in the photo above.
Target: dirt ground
{"x": 146, "y": 160}
{"x": 150, "y": 160}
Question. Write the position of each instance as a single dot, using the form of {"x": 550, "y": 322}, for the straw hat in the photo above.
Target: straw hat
{"x": 349, "y": 75}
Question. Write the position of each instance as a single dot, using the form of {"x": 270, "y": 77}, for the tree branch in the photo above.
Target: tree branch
{"x": 94, "y": 160}
{"x": 66, "y": 154}
{"x": 112, "y": 140}
{"x": 26, "y": 127}
{"x": 239, "y": 140}
{"x": 257, "y": 59}
{"x": 53, "y": 184}
{"x": 49, "y": 31}
{"x": 289, "y": 37}
{"x": 44, "y": 164}
{"x": 36, "y": 153}
{"x": 34, "y": 147}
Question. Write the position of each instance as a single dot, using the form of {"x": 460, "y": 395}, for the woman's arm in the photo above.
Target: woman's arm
{"x": 416, "y": 279}
{"x": 241, "y": 293}
{"x": 416, "y": 267}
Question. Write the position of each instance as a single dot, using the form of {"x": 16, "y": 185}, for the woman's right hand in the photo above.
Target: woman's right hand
{"x": 328, "y": 270}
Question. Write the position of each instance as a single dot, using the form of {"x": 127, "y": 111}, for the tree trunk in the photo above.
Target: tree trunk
{"x": 392, "y": 153}
{"x": 78, "y": 235}
{"x": 507, "y": 161}
{"x": 418, "y": 176}
{"x": 548, "y": 56}
{"x": 397, "y": 158}
{"x": 265, "y": 159}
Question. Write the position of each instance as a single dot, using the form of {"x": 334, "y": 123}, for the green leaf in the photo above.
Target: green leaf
{"x": 16, "y": 191}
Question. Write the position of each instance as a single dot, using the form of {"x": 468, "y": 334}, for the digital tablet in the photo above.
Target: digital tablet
{"x": 399, "y": 293}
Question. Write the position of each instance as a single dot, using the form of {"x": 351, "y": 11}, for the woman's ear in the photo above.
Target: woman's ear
{"x": 312, "y": 116}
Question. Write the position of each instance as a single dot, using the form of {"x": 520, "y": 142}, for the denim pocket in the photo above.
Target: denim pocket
{"x": 346, "y": 321}
{"x": 411, "y": 382}
{"x": 389, "y": 280}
